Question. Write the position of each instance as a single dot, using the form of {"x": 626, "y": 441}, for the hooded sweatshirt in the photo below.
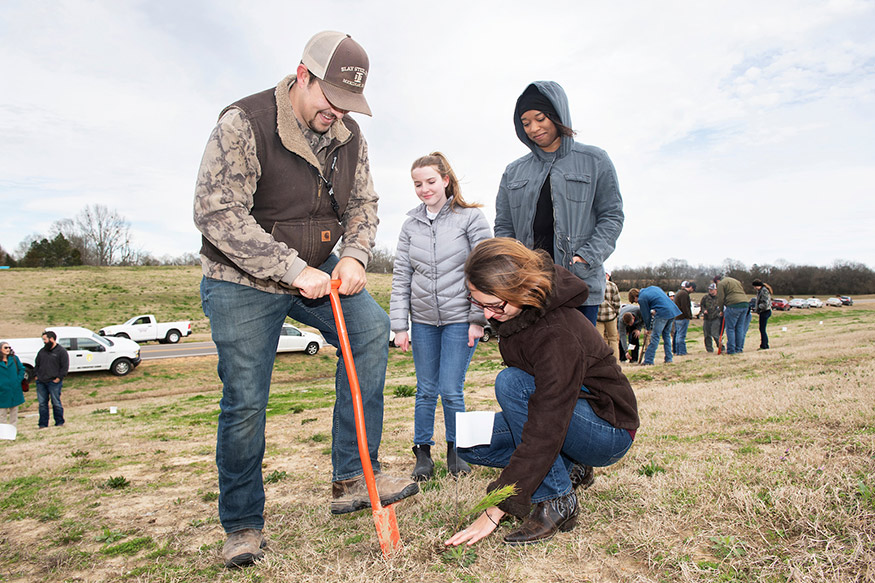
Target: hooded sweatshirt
{"x": 587, "y": 206}
{"x": 563, "y": 352}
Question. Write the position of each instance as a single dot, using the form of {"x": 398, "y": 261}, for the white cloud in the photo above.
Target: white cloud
{"x": 735, "y": 127}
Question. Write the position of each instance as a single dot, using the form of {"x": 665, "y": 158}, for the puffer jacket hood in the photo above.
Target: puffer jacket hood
{"x": 554, "y": 92}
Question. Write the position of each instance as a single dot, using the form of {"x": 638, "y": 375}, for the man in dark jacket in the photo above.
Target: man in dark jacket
{"x": 712, "y": 318}
{"x": 682, "y": 322}
{"x": 51, "y": 366}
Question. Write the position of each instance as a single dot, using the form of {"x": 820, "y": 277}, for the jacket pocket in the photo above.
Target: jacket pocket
{"x": 515, "y": 191}
{"x": 313, "y": 239}
{"x": 577, "y": 186}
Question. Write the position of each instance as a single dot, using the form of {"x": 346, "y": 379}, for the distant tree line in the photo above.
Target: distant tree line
{"x": 842, "y": 277}
{"x": 96, "y": 236}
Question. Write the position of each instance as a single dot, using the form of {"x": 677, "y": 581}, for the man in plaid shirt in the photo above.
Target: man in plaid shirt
{"x": 606, "y": 321}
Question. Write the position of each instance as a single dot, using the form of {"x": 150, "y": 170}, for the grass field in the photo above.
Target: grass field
{"x": 757, "y": 467}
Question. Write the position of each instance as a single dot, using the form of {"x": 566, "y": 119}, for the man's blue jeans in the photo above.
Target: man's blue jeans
{"x": 441, "y": 356}
{"x": 590, "y": 440}
{"x": 736, "y": 322}
{"x": 246, "y": 325}
{"x": 661, "y": 327}
{"x": 45, "y": 392}
{"x": 679, "y": 342}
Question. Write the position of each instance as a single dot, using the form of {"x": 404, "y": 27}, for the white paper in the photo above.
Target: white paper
{"x": 8, "y": 431}
{"x": 474, "y": 428}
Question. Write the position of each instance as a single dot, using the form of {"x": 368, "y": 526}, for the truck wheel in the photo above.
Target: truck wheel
{"x": 121, "y": 366}
{"x": 312, "y": 348}
{"x": 173, "y": 336}
{"x": 122, "y": 335}
{"x": 486, "y": 336}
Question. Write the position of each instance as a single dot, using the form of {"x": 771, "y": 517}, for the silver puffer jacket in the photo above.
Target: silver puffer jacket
{"x": 428, "y": 282}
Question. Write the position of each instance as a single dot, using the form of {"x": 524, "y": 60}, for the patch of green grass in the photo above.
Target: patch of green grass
{"x": 131, "y": 547}
{"x": 210, "y": 496}
{"x": 402, "y": 391}
{"x": 461, "y": 556}
{"x": 727, "y": 546}
{"x": 275, "y": 476}
{"x": 116, "y": 483}
{"x": 650, "y": 469}
{"x": 748, "y": 450}
{"x": 69, "y": 532}
{"x": 109, "y": 536}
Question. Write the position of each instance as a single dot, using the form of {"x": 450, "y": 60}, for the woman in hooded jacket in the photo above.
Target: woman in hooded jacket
{"x": 562, "y": 197}
{"x": 566, "y": 405}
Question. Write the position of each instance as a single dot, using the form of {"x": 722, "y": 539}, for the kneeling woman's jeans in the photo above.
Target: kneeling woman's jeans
{"x": 590, "y": 440}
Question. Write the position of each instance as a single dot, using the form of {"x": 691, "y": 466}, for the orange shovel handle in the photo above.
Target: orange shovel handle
{"x": 357, "y": 404}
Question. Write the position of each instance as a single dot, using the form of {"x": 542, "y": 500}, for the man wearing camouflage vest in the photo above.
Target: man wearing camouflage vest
{"x": 284, "y": 178}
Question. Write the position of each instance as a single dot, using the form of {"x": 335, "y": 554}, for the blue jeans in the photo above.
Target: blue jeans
{"x": 590, "y": 440}
{"x": 736, "y": 322}
{"x": 661, "y": 327}
{"x": 44, "y": 392}
{"x": 679, "y": 342}
{"x": 591, "y": 313}
{"x": 441, "y": 355}
{"x": 764, "y": 321}
{"x": 246, "y": 325}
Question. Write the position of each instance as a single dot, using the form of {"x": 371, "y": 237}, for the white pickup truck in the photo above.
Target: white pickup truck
{"x": 87, "y": 351}
{"x": 145, "y": 328}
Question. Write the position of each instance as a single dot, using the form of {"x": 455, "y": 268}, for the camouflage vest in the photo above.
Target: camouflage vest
{"x": 291, "y": 201}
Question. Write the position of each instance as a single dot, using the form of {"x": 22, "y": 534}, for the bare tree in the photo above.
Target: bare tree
{"x": 106, "y": 235}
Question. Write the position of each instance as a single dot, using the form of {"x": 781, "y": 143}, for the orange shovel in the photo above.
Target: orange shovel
{"x": 384, "y": 518}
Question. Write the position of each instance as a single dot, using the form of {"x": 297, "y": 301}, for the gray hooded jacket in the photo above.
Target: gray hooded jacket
{"x": 587, "y": 206}
{"x": 428, "y": 281}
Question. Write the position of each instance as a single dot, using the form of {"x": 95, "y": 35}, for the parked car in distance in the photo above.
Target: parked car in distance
{"x": 780, "y": 304}
{"x": 294, "y": 340}
{"x": 146, "y": 328}
{"x": 835, "y": 302}
{"x": 814, "y": 302}
{"x": 87, "y": 351}
{"x": 846, "y": 300}
{"x": 798, "y": 303}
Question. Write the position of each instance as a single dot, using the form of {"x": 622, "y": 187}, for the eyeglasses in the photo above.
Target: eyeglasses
{"x": 494, "y": 308}
{"x": 6, "y": 348}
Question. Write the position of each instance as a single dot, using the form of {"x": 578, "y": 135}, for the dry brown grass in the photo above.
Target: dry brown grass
{"x": 756, "y": 467}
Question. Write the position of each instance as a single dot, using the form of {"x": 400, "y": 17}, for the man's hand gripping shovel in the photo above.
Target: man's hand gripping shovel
{"x": 384, "y": 518}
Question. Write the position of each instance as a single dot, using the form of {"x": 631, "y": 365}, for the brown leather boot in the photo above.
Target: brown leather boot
{"x": 546, "y": 519}
{"x": 581, "y": 476}
{"x": 352, "y": 495}
{"x": 243, "y": 547}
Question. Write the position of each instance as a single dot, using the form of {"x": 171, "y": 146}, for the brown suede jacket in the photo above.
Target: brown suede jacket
{"x": 564, "y": 352}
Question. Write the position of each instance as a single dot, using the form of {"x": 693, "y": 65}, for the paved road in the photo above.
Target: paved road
{"x": 155, "y": 351}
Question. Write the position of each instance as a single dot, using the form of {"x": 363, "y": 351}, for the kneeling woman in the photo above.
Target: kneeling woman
{"x": 565, "y": 404}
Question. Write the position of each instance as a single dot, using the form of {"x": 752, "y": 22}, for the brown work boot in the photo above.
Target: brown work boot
{"x": 581, "y": 476}
{"x": 243, "y": 547}
{"x": 546, "y": 519}
{"x": 352, "y": 495}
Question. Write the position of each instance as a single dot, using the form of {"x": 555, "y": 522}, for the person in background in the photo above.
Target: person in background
{"x": 428, "y": 288}
{"x": 658, "y": 312}
{"x": 682, "y": 322}
{"x": 50, "y": 367}
{"x": 565, "y": 404}
{"x": 712, "y": 319}
{"x": 563, "y": 196}
{"x": 11, "y": 376}
{"x": 609, "y": 311}
{"x": 284, "y": 178}
{"x": 764, "y": 309}
{"x": 630, "y": 327}
{"x": 736, "y": 312}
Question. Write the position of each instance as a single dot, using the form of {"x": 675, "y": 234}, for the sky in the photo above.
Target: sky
{"x": 739, "y": 130}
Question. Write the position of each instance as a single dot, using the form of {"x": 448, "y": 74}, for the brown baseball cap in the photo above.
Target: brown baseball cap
{"x": 341, "y": 66}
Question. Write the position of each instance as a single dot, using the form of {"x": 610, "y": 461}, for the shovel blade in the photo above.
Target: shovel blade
{"x": 387, "y": 530}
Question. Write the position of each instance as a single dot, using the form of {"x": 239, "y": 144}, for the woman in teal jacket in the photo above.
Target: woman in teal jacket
{"x": 563, "y": 196}
{"x": 11, "y": 375}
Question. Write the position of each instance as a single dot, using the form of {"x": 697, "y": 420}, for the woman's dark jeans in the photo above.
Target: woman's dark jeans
{"x": 764, "y": 320}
